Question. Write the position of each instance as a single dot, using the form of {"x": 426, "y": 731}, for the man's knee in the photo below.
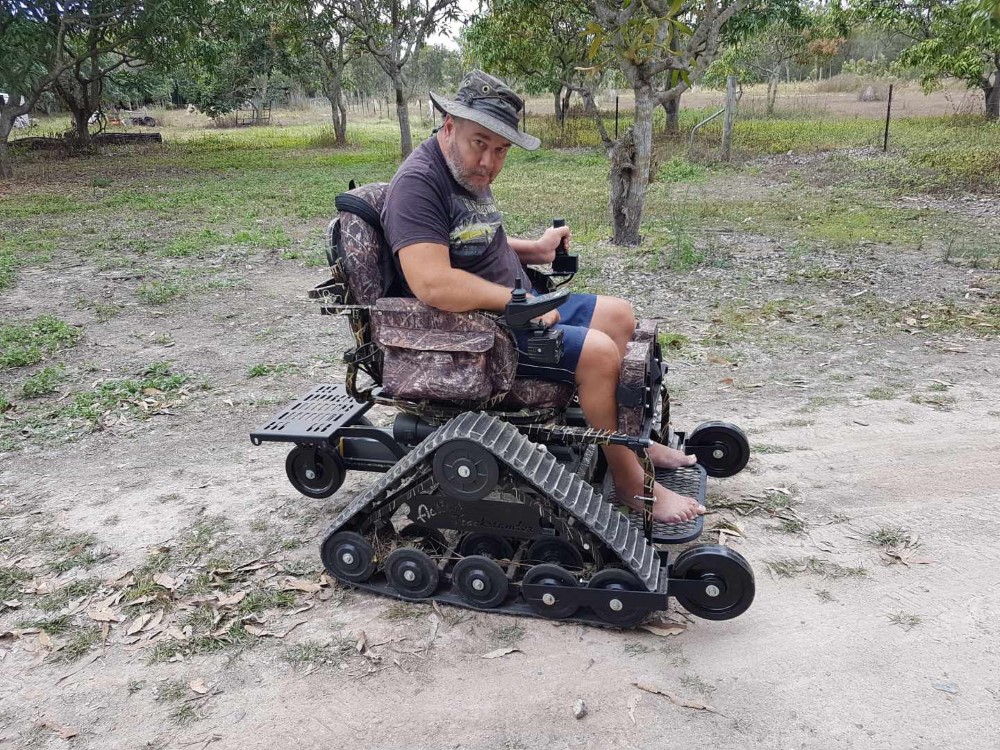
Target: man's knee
{"x": 618, "y": 315}
{"x": 599, "y": 357}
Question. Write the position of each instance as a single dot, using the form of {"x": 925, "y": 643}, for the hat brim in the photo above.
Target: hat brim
{"x": 494, "y": 125}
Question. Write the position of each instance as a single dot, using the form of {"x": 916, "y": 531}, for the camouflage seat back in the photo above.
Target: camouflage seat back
{"x": 360, "y": 246}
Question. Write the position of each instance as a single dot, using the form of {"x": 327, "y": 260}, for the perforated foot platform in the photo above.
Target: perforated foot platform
{"x": 312, "y": 419}
{"x": 689, "y": 481}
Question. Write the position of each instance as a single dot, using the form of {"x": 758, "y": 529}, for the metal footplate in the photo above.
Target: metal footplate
{"x": 313, "y": 419}
{"x": 689, "y": 481}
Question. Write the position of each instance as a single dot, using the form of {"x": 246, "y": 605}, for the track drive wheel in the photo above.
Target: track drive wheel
{"x": 314, "y": 471}
{"x": 480, "y": 581}
{"x": 548, "y": 549}
{"x": 348, "y": 557}
{"x": 550, "y": 605}
{"x": 465, "y": 470}
{"x": 411, "y": 572}
{"x": 722, "y": 448}
{"x": 487, "y": 545}
{"x": 727, "y": 578}
{"x": 614, "y": 612}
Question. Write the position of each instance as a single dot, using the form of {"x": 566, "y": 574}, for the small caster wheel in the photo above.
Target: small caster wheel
{"x": 348, "y": 557}
{"x": 465, "y": 470}
{"x": 429, "y": 540}
{"x": 412, "y": 573}
{"x": 487, "y": 545}
{"x": 480, "y": 581}
{"x": 727, "y": 578}
{"x": 550, "y": 605}
{"x": 556, "y": 551}
{"x": 722, "y": 448}
{"x": 615, "y": 612}
{"x": 315, "y": 472}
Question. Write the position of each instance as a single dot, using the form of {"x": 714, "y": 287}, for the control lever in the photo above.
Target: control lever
{"x": 563, "y": 263}
{"x": 542, "y": 345}
{"x": 521, "y": 311}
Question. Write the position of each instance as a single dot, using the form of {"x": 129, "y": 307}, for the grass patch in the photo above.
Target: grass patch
{"x": 264, "y": 370}
{"x": 72, "y": 591}
{"x": 888, "y": 536}
{"x": 23, "y": 344}
{"x": 80, "y": 643}
{"x": 316, "y": 654}
{"x": 50, "y": 626}
{"x": 402, "y": 611}
{"x": 44, "y": 382}
{"x": 791, "y": 567}
{"x": 882, "y": 393}
{"x": 507, "y": 635}
{"x": 160, "y": 292}
{"x": 11, "y": 578}
{"x": 906, "y": 621}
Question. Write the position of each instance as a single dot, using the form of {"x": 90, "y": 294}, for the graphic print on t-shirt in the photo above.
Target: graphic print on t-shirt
{"x": 475, "y": 224}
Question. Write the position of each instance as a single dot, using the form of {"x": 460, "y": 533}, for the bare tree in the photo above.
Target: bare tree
{"x": 393, "y": 31}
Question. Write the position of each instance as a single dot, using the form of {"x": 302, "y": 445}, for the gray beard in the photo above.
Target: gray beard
{"x": 453, "y": 160}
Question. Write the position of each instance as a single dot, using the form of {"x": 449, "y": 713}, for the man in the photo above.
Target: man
{"x": 448, "y": 236}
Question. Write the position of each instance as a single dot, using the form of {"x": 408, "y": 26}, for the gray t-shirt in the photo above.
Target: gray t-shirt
{"x": 426, "y": 204}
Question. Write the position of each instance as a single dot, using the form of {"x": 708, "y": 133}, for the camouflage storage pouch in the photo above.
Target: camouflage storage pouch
{"x": 441, "y": 356}
{"x": 633, "y": 395}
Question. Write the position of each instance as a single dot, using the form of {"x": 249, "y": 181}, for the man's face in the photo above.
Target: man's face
{"x": 474, "y": 154}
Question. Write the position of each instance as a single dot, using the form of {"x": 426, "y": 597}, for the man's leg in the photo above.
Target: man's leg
{"x": 597, "y": 382}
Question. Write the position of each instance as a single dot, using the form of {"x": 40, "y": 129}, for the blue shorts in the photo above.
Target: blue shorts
{"x": 575, "y": 315}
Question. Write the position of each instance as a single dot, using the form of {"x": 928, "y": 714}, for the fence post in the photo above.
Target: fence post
{"x": 888, "y": 111}
{"x": 616, "y": 117}
{"x": 727, "y": 126}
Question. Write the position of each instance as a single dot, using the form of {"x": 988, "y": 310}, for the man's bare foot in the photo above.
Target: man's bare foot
{"x": 664, "y": 457}
{"x": 669, "y": 507}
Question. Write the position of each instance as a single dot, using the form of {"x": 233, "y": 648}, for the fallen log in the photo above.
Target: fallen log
{"x": 44, "y": 143}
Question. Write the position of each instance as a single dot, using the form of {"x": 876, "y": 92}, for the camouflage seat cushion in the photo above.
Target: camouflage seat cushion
{"x": 540, "y": 394}
{"x": 361, "y": 247}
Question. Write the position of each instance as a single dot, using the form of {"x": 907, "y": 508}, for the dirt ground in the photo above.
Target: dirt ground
{"x": 869, "y": 513}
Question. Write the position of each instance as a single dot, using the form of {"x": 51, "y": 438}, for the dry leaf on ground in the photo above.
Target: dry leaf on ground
{"x": 675, "y": 699}
{"x": 198, "y": 686}
{"x": 664, "y": 628}
{"x": 501, "y": 652}
{"x": 162, "y": 579}
{"x": 297, "y": 584}
{"x": 103, "y": 614}
{"x": 632, "y": 703}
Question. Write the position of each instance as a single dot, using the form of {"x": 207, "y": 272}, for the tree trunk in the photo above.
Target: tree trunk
{"x": 565, "y": 101}
{"x": 772, "y": 89}
{"x": 672, "y": 110}
{"x": 81, "y": 127}
{"x": 992, "y": 93}
{"x": 6, "y": 124}
{"x": 560, "y": 115}
{"x": 340, "y": 122}
{"x": 629, "y": 175}
{"x": 403, "y": 115}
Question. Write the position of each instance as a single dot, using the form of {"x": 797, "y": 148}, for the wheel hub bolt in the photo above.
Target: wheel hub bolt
{"x": 310, "y": 474}
{"x": 549, "y": 599}
{"x": 465, "y": 472}
{"x": 478, "y": 584}
{"x": 712, "y": 590}
{"x": 347, "y": 558}
{"x": 616, "y": 605}
{"x": 718, "y": 453}
{"x": 409, "y": 576}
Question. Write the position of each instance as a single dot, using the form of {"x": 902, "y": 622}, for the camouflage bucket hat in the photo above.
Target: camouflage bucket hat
{"x": 491, "y": 103}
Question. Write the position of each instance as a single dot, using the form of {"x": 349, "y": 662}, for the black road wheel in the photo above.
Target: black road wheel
{"x": 549, "y": 549}
{"x": 487, "y": 545}
{"x": 727, "y": 578}
{"x": 411, "y": 572}
{"x": 614, "y": 612}
{"x": 313, "y": 471}
{"x": 480, "y": 581}
{"x": 722, "y": 448}
{"x": 430, "y": 540}
{"x": 465, "y": 470}
{"x": 348, "y": 557}
{"x": 550, "y": 605}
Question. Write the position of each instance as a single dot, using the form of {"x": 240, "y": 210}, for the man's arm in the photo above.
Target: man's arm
{"x": 429, "y": 273}
{"x": 542, "y": 250}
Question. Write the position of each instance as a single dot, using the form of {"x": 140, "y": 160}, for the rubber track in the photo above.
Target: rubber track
{"x": 537, "y": 468}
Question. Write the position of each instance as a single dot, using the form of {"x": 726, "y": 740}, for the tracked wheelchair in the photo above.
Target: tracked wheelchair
{"x": 494, "y": 493}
